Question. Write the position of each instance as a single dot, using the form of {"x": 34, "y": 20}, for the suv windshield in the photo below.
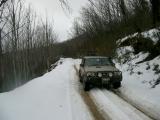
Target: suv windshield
{"x": 98, "y": 61}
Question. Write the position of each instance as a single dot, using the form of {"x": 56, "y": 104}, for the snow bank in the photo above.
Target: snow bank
{"x": 50, "y": 97}
{"x": 137, "y": 85}
{"x": 140, "y": 84}
{"x": 114, "y": 107}
{"x": 153, "y": 34}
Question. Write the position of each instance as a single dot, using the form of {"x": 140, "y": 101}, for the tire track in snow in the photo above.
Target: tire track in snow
{"x": 145, "y": 110}
{"x": 98, "y": 110}
{"x": 115, "y": 107}
{"x": 92, "y": 106}
{"x": 106, "y": 106}
{"x": 78, "y": 109}
{"x": 127, "y": 110}
{"x": 88, "y": 101}
{"x": 126, "y": 107}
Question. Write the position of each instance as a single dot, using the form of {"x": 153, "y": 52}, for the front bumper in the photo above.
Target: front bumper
{"x": 99, "y": 81}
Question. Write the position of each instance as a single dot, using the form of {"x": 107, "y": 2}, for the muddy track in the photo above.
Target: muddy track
{"x": 92, "y": 106}
{"x": 117, "y": 108}
{"x": 89, "y": 102}
{"x": 100, "y": 114}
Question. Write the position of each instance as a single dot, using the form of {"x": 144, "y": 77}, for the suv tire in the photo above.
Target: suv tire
{"x": 107, "y": 86}
{"x": 80, "y": 79}
{"x": 86, "y": 86}
{"x": 117, "y": 85}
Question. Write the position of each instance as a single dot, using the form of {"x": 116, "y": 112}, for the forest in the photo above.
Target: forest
{"x": 29, "y": 45}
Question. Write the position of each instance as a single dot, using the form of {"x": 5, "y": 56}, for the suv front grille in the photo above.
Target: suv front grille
{"x": 104, "y": 74}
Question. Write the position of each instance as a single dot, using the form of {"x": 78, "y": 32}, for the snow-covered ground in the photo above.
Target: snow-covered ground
{"x": 54, "y": 96}
{"x": 153, "y": 34}
{"x": 114, "y": 107}
{"x": 140, "y": 84}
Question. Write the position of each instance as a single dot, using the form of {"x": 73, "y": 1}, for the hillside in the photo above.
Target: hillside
{"x": 141, "y": 69}
{"x": 54, "y": 96}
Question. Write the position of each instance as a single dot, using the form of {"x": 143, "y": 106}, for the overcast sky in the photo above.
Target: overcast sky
{"x": 62, "y": 21}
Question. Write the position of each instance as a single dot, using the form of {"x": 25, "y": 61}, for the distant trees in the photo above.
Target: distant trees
{"x": 123, "y": 10}
{"x": 123, "y": 7}
{"x": 102, "y": 22}
{"x": 3, "y": 22}
{"x": 26, "y": 44}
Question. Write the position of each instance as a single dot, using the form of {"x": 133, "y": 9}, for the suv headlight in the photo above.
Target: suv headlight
{"x": 99, "y": 74}
{"x": 118, "y": 73}
{"x": 110, "y": 74}
{"x": 90, "y": 74}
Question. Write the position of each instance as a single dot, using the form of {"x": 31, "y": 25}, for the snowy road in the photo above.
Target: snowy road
{"x": 114, "y": 107}
{"x": 111, "y": 106}
{"x": 58, "y": 95}
{"x": 54, "y": 96}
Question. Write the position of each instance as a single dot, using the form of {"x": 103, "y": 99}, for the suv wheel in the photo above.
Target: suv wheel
{"x": 117, "y": 85}
{"x": 86, "y": 86}
{"x": 107, "y": 86}
{"x": 80, "y": 79}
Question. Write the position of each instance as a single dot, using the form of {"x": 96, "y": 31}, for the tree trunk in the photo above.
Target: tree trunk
{"x": 1, "y": 79}
{"x": 155, "y": 11}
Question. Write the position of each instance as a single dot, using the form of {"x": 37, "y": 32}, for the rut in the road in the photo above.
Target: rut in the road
{"x": 89, "y": 102}
{"x": 132, "y": 103}
{"x": 92, "y": 107}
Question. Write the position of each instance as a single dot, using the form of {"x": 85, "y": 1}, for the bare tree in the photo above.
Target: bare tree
{"x": 2, "y": 2}
{"x": 123, "y": 10}
{"x": 66, "y": 6}
{"x": 3, "y": 22}
{"x": 155, "y": 11}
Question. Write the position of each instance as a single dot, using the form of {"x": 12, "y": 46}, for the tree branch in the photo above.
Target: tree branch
{"x": 2, "y": 2}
